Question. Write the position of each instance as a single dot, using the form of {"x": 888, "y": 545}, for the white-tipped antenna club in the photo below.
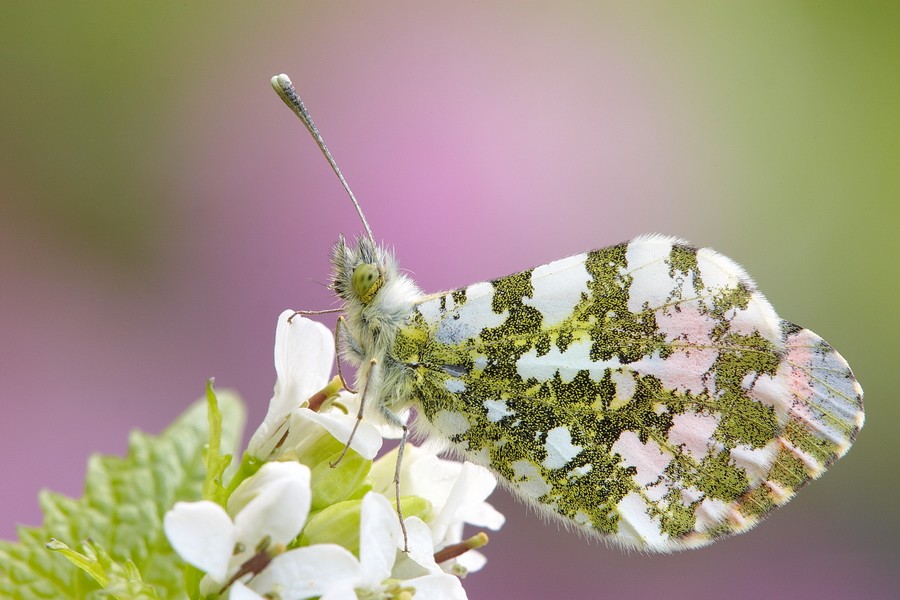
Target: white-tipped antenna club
{"x": 285, "y": 89}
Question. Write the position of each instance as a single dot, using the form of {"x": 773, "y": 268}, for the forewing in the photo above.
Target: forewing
{"x": 645, "y": 392}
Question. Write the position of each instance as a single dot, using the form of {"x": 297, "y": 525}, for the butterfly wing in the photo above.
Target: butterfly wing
{"x": 646, "y": 393}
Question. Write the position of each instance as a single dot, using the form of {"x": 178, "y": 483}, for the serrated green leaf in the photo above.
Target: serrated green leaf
{"x": 216, "y": 463}
{"x": 121, "y": 511}
{"x": 119, "y": 581}
{"x": 87, "y": 562}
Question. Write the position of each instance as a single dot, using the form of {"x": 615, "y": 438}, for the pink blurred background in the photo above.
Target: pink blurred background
{"x": 160, "y": 207}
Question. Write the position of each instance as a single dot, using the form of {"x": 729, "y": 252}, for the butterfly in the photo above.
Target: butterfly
{"x": 646, "y": 393}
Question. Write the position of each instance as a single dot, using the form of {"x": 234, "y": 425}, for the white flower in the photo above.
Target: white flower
{"x": 334, "y": 573}
{"x": 457, "y": 492}
{"x": 267, "y": 509}
{"x": 304, "y": 356}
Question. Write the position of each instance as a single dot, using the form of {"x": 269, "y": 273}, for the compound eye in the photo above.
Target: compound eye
{"x": 366, "y": 281}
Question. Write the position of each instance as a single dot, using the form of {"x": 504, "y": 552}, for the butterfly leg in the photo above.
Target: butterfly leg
{"x": 394, "y": 421}
{"x": 342, "y": 323}
{"x": 313, "y": 312}
{"x": 359, "y": 415}
{"x": 400, "y": 449}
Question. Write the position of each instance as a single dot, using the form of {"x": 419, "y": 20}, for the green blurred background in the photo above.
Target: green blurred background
{"x": 159, "y": 207}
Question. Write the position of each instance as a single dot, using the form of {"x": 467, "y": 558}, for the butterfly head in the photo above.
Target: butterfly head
{"x": 367, "y": 278}
{"x": 359, "y": 272}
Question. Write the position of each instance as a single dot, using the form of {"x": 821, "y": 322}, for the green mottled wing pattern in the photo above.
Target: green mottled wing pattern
{"x": 646, "y": 393}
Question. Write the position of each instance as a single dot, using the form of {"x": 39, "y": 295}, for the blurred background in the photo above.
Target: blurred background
{"x": 159, "y": 207}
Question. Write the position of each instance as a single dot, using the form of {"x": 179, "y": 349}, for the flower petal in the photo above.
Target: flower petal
{"x": 442, "y": 483}
{"x": 419, "y": 560}
{"x": 388, "y": 432}
{"x": 382, "y": 473}
{"x": 379, "y": 532}
{"x": 437, "y": 587}
{"x": 433, "y": 478}
{"x": 239, "y": 591}
{"x": 203, "y": 535}
{"x": 340, "y": 592}
{"x": 479, "y": 484}
{"x": 366, "y": 441}
{"x": 308, "y": 571}
{"x": 484, "y": 515}
{"x": 457, "y": 493}
{"x": 274, "y": 502}
{"x": 304, "y": 355}
{"x": 472, "y": 561}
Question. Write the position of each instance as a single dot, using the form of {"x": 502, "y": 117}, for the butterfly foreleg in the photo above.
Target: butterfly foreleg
{"x": 359, "y": 415}
{"x": 342, "y": 323}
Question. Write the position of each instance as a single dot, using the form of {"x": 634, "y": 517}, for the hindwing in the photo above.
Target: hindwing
{"x": 646, "y": 392}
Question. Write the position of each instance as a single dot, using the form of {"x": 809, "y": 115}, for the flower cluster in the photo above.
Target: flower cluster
{"x": 295, "y": 525}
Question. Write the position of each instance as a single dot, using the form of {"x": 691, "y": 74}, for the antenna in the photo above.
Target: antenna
{"x": 285, "y": 89}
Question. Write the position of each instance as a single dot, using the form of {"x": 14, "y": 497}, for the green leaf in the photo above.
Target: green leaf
{"x": 121, "y": 513}
{"x": 216, "y": 463}
{"x": 122, "y": 582}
